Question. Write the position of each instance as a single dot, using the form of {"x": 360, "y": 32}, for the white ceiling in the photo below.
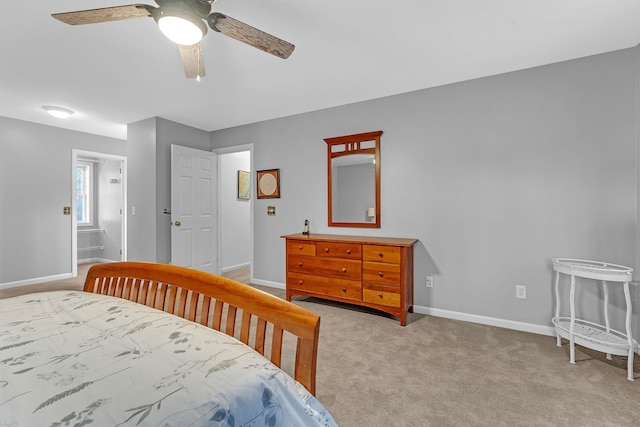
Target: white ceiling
{"x": 346, "y": 51}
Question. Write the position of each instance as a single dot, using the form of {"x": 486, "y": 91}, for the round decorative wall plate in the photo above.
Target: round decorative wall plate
{"x": 269, "y": 184}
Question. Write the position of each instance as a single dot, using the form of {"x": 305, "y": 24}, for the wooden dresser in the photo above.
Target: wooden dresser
{"x": 375, "y": 272}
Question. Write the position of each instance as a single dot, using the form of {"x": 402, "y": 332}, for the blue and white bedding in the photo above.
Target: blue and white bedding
{"x": 72, "y": 359}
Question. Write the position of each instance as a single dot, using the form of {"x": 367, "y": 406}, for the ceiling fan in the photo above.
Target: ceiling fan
{"x": 183, "y": 22}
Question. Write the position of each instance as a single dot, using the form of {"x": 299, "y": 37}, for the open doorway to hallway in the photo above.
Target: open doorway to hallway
{"x": 235, "y": 212}
{"x": 98, "y": 206}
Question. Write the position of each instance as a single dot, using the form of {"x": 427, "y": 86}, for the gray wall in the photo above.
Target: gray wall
{"x": 35, "y": 184}
{"x": 495, "y": 176}
{"x": 141, "y": 191}
{"x": 637, "y": 129}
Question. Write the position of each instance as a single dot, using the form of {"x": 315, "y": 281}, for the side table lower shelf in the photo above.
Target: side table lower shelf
{"x": 593, "y": 336}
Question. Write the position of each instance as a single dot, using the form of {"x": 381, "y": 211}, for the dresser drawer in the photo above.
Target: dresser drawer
{"x": 339, "y": 250}
{"x": 377, "y": 253}
{"x": 380, "y": 272}
{"x": 328, "y": 267}
{"x": 349, "y": 289}
{"x": 390, "y": 299}
{"x": 301, "y": 247}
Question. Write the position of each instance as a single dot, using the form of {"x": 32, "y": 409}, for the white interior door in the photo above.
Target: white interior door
{"x": 194, "y": 236}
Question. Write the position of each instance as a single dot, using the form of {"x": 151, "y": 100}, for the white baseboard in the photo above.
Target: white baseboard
{"x": 267, "y": 283}
{"x": 94, "y": 260}
{"x": 484, "y": 320}
{"x": 234, "y": 267}
{"x": 447, "y": 314}
{"x": 37, "y": 280}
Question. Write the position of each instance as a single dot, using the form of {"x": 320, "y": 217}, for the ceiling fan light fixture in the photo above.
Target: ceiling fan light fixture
{"x": 58, "y": 112}
{"x": 181, "y": 27}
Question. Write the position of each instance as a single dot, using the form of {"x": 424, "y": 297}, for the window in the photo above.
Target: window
{"x": 84, "y": 196}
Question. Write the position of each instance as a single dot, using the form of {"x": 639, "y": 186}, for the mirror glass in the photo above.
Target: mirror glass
{"x": 354, "y": 180}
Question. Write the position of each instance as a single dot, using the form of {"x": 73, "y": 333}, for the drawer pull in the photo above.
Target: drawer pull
{"x": 300, "y": 264}
{"x": 380, "y": 254}
{"x": 300, "y": 282}
{"x": 326, "y": 250}
{"x": 344, "y": 269}
{"x": 300, "y": 247}
{"x": 380, "y": 296}
{"x": 344, "y": 289}
{"x": 380, "y": 273}
{"x": 348, "y": 251}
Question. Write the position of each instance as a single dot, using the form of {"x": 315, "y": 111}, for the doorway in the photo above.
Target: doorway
{"x": 98, "y": 204}
{"x": 235, "y": 211}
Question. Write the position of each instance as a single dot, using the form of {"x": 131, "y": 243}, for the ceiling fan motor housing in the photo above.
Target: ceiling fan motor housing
{"x": 201, "y": 8}
{"x": 176, "y": 14}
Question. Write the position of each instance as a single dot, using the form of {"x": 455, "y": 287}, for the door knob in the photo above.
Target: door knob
{"x": 177, "y": 223}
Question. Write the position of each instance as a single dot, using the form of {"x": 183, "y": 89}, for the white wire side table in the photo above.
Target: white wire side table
{"x": 588, "y": 334}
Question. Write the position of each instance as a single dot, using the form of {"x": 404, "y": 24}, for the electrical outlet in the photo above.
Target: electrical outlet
{"x": 429, "y": 282}
{"x": 521, "y": 292}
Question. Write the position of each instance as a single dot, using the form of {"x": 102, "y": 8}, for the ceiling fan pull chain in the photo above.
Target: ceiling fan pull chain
{"x": 198, "y": 76}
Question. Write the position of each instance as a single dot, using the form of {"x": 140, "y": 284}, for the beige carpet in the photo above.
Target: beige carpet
{"x": 439, "y": 372}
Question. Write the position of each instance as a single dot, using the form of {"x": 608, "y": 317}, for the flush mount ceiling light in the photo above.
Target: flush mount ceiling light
{"x": 181, "y": 26}
{"x": 58, "y": 112}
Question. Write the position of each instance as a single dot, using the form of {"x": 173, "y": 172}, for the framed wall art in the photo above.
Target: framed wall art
{"x": 244, "y": 185}
{"x": 269, "y": 184}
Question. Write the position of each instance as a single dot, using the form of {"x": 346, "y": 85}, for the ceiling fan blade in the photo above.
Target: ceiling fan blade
{"x": 106, "y": 14}
{"x": 250, "y": 35}
{"x": 192, "y": 60}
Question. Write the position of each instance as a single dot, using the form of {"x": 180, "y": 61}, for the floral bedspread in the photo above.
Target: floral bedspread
{"x": 71, "y": 358}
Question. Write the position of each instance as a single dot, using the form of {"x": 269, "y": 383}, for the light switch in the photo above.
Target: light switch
{"x": 66, "y": 210}
{"x": 271, "y": 210}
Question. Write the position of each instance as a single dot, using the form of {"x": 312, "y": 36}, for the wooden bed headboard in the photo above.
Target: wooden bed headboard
{"x": 203, "y": 297}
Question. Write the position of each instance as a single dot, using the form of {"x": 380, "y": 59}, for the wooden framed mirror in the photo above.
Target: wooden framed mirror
{"x": 353, "y": 177}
